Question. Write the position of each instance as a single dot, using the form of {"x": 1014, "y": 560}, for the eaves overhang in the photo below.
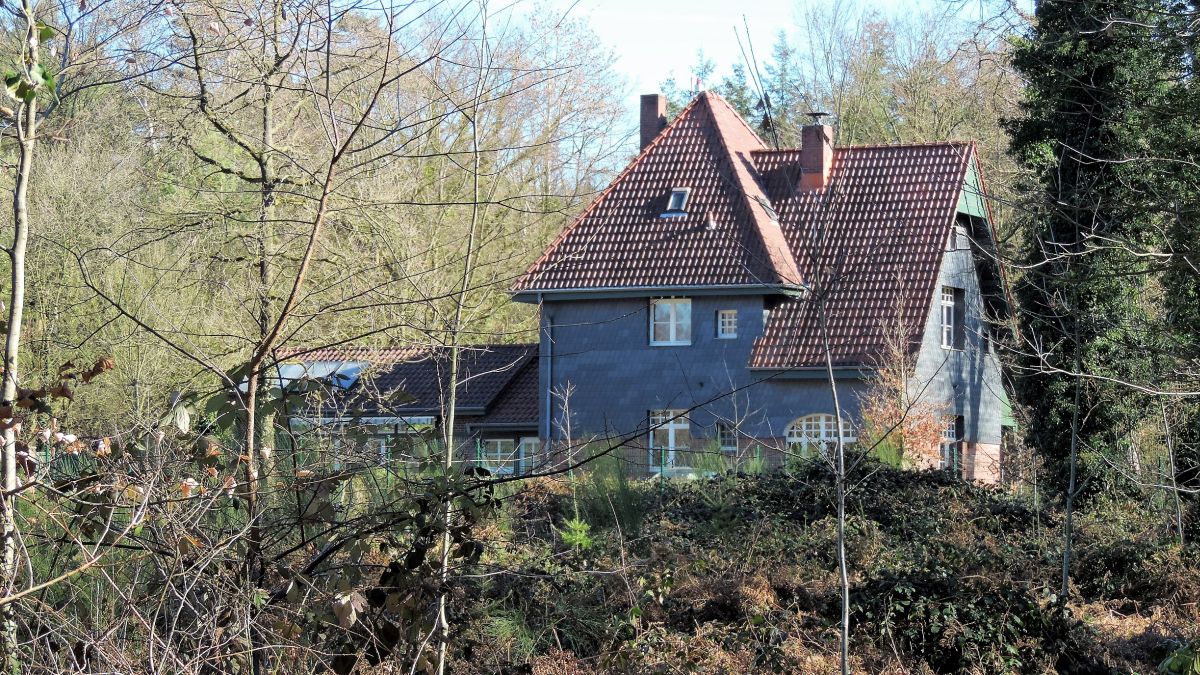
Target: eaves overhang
{"x": 535, "y": 295}
{"x": 815, "y": 372}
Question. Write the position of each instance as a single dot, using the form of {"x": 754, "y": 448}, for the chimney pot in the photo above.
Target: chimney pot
{"x": 654, "y": 117}
{"x": 816, "y": 154}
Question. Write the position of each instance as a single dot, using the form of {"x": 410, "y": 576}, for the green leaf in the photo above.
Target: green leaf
{"x": 180, "y": 416}
{"x": 41, "y": 77}
{"x": 12, "y": 82}
{"x": 44, "y": 32}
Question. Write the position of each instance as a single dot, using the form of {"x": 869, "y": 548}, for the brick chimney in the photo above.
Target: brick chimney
{"x": 654, "y": 117}
{"x": 816, "y": 154}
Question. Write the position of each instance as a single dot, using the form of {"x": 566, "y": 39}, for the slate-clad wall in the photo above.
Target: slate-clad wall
{"x": 967, "y": 381}
{"x": 602, "y": 349}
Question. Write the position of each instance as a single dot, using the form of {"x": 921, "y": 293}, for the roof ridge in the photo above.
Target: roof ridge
{"x": 738, "y": 115}
{"x": 674, "y": 124}
{"x": 875, "y": 146}
{"x": 770, "y": 232}
{"x": 901, "y": 146}
{"x": 287, "y": 353}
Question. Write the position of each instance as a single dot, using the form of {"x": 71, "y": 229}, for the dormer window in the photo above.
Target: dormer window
{"x": 677, "y": 204}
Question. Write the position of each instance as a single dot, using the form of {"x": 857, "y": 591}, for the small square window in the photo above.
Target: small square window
{"x": 677, "y": 204}
{"x": 726, "y": 324}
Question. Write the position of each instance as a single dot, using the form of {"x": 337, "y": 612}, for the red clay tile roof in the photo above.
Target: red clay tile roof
{"x": 879, "y": 228}
{"x": 621, "y": 241}
{"x": 413, "y": 380}
{"x": 877, "y": 231}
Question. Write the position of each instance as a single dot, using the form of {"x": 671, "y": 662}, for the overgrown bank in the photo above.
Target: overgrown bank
{"x": 737, "y": 574}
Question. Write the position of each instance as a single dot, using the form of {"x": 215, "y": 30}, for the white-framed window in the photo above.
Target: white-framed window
{"x": 670, "y": 321}
{"x": 527, "y": 450}
{"x": 817, "y": 434}
{"x": 952, "y": 317}
{"x": 727, "y": 439}
{"x": 951, "y": 445}
{"x": 726, "y": 324}
{"x": 500, "y": 455}
{"x": 677, "y": 203}
{"x": 670, "y": 433}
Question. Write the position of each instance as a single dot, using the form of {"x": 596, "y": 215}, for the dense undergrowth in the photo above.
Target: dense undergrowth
{"x": 737, "y": 574}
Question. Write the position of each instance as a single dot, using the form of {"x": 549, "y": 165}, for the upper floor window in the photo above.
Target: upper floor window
{"x": 677, "y": 203}
{"x": 727, "y": 323}
{"x": 670, "y": 321}
{"x": 952, "y": 317}
{"x": 817, "y": 433}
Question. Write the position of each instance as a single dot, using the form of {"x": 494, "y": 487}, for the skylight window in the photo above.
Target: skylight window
{"x": 677, "y": 204}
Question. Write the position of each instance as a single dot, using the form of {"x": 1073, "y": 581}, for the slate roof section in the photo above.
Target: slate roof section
{"x": 875, "y": 236}
{"x": 413, "y": 381}
{"x": 517, "y": 405}
{"x": 621, "y": 240}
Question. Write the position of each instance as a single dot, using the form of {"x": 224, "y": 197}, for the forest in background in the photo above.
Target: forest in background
{"x": 197, "y": 186}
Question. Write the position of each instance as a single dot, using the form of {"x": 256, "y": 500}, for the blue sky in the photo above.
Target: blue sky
{"x": 657, "y": 39}
{"x": 654, "y": 39}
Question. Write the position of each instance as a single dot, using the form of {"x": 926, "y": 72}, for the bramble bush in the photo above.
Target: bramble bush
{"x": 736, "y": 573}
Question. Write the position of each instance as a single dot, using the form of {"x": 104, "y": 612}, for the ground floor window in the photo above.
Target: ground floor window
{"x": 813, "y": 434}
{"x": 670, "y": 435}
{"x": 727, "y": 437}
{"x": 951, "y": 446}
{"x": 498, "y": 455}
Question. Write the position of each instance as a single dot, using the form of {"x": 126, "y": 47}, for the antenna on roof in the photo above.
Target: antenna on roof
{"x": 817, "y": 115}
{"x": 757, "y": 81}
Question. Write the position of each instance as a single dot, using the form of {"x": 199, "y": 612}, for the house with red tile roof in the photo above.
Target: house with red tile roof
{"x": 700, "y": 302}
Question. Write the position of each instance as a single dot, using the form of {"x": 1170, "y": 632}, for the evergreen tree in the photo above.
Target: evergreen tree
{"x": 1100, "y": 74}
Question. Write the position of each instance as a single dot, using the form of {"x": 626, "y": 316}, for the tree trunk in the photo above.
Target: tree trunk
{"x": 443, "y": 624}
{"x": 1171, "y": 468}
{"x": 839, "y": 477}
{"x": 27, "y": 138}
{"x": 1069, "y": 509}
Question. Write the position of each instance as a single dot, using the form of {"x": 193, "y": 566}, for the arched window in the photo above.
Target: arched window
{"x": 817, "y": 433}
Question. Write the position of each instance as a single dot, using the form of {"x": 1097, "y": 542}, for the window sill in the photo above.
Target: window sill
{"x": 673, "y": 214}
{"x": 726, "y": 337}
{"x": 670, "y": 344}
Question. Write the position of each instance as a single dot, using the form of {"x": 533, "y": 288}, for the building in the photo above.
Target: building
{"x": 372, "y": 404}
{"x": 680, "y": 312}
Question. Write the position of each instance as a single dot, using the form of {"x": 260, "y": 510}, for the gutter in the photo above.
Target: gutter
{"x": 536, "y": 294}
{"x": 549, "y": 341}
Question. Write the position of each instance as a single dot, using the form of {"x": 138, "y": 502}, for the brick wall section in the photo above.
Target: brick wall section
{"x": 981, "y": 462}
